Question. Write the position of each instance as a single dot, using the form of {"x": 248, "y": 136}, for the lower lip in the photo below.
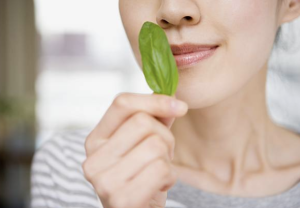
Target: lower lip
{"x": 190, "y": 59}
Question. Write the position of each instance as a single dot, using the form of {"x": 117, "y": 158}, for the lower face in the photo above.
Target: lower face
{"x": 243, "y": 30}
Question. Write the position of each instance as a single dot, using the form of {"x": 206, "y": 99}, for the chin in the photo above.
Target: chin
{"x": 194, "y": 100}
{"x": 203, "y": 96}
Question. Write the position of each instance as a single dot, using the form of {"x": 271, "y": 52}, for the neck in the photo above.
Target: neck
{"x": 228, "y": 138}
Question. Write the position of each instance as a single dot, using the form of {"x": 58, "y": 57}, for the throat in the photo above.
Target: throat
{"x": 226, "y": 161}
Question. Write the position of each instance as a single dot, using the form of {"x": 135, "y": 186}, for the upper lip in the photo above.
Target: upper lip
{"x": 190, "y": 48}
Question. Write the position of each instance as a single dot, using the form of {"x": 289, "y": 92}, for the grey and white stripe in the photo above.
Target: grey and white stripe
{"x": 57, "y": 178}
{"x": 58, "y": 182}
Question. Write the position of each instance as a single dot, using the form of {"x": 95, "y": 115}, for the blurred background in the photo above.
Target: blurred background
{"x": 62, "y": 62}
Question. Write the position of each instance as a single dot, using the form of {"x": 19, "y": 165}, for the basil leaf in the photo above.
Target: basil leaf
{"x": 159, "y": 65}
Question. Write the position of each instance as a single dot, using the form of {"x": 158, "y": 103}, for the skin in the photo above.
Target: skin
{"x": 223, "y": 139}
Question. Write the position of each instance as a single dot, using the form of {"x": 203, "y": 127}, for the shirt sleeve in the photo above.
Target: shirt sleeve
{"x": 57, "y": 179}
{"x": 43, "y": 191}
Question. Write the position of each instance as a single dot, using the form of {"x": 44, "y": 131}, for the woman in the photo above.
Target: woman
{"x": 223, "y": 150}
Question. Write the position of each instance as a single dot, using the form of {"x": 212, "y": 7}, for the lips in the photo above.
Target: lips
{"x": 190, "y": 54}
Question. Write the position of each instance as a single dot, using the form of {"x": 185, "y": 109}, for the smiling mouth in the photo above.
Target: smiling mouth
{"x": 190, "y": 54}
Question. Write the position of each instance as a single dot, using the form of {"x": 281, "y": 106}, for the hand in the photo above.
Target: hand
{"x": 129, "y": 152}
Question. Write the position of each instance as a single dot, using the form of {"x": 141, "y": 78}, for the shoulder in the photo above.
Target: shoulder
{"x": 62, "y": 144}
{"x": 285, "y": 154}
{"x": 64, "y": 150}
{"x": 57, "y": 178}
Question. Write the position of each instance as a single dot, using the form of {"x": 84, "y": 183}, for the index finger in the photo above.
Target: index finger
{"x": 126, "y": 104}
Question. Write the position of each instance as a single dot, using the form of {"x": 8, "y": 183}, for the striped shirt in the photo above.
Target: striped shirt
{"x": 57, "y": 180}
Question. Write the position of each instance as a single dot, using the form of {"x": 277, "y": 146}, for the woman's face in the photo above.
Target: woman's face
{"x": 244, "y": 31}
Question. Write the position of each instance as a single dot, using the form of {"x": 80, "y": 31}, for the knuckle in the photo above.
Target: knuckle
{"x": 88, "y": 143}
{"x": 122, "y": 100}
{"x": 141, "y": 120}
{"x": 87, "y": 170}
{"x": 163, "y": 167}
{"x": 102, "y": 186}
{"x": 173, "y": 177}
{"x": 170, "y": 139}
{"x": 170, "y": 181}
{"x": 157, "y": 146}
{"x": 93, "y": 144}
{"x": 164, "y": 103}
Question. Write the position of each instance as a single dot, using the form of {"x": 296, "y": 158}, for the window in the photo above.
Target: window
{"x": 85, "y": 61}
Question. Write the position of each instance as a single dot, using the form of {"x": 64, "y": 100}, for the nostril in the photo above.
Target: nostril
{"x": 164, "y": 21}
{"x": 188, "y": 18}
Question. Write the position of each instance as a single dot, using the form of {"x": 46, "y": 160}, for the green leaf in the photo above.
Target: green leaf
{"x": 159, "y": 65}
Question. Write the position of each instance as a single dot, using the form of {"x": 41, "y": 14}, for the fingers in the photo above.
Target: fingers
{"x": 167, "y": 121}
{"x": 130, "y": 165}
{"x": 127, "y": 104}
{"x": 130, "y": 133}
{"x": 135, "y": 193}
{"x": 126, "y": 139}
{"x": 136, "y": 129}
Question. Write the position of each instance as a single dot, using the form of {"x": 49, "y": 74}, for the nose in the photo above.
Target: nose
{"x": 177, "y": 12}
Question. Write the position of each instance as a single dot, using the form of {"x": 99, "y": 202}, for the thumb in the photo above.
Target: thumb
{"x": 167, "y": 121}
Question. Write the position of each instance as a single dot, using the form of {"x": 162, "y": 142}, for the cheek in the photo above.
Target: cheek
{"x": 244, "y": 14}
{"x": 252, "y": 30}
{"x": 250, "y": 24}
{"x": 248, "y": 29}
